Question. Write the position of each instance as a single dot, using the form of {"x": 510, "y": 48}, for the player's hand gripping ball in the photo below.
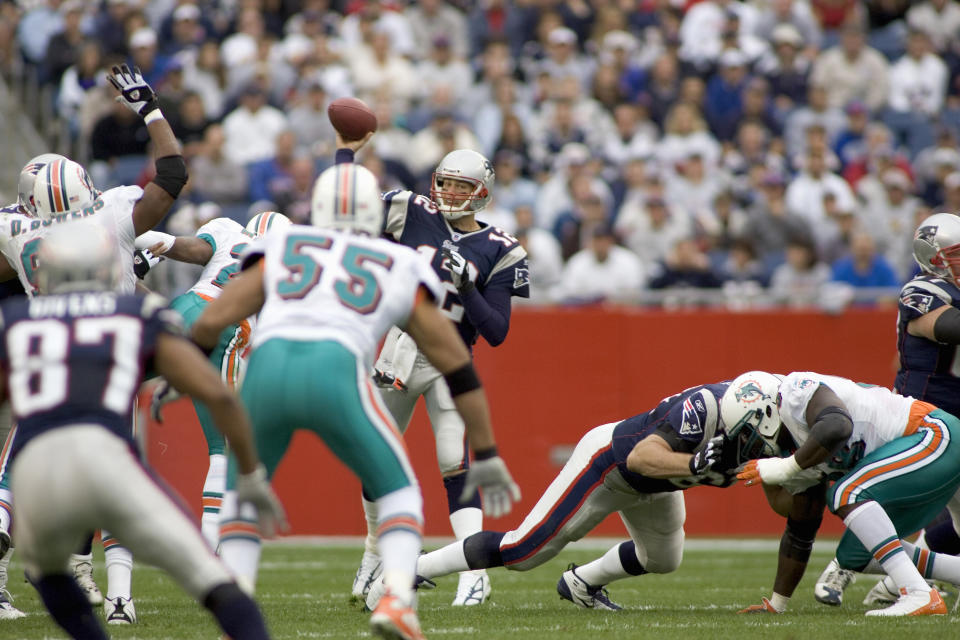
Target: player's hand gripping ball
{"x": 351, "y": 118}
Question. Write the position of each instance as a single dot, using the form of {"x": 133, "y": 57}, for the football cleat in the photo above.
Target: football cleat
{"x": 914, "y": 602}
{"x": 884, "y": 592}
{"x": 7, "y": 610}
{"x": 473, "y": 588}
{"x": 370, "y": 569}
{"x": 378, "y": 589}
{"x": 831, "y": 583}
{"x": 119, "y": 610}
{"x": 573, "y": 588}
{"x": 83, "y": 574}
{"x": 394, "y": 620}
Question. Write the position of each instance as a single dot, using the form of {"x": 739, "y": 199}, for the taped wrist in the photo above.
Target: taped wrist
{"x": 462, "y": 380}
{"x": 832, "y": 428}
{"x": 947, "y": 327}
{"x": 171, "y": 174}
{"x": 797, "y": 540}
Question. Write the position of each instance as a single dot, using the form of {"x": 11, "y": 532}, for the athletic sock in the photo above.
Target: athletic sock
{"x": 617, "y": 563}
{"x": 873, "y": 527}
{"x": 213, "y": 488}
{"x": 6, "y": 509}
{"x": 4, "y": 565}
{"x": 399, "y": 539}
{"x": 119, "y": 563}
{"x": 932, "y": 565}
{"x": 371, "y": 513}
{"x": 240, "y": 541}
{"x": 69, "y": 607}
{"x": 236, "y": 612}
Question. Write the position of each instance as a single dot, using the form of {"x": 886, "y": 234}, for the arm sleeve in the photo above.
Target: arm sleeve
{"x": 489, "y": 312}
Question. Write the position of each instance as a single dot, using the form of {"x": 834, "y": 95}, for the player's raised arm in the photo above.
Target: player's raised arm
{"x": 182, "y": 364}
{"x": 180, "y": 248}
{"x": 137, "y": 95}
{"x": 437, "y": 338}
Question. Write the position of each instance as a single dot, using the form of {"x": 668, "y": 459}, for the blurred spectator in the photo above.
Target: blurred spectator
{"x": 291, "y": 192}
{"x": 944, "y": 161}
{"x": 109, "y": 26}
{"x": 618, "y": 51}
{"x": 663, "y": 87}
{"x": 924, "y": 166}
{"x": 852, "y": 71}
{"x": 513, "y": 138}
{"x": 380, "y": 16}
{"x": 651, "y": 228}
{"x": 488, "y": 119}
{"x": 939, "y": 19}
{"x": 40, "y": 22}
{"x": 806, "y": 191}
{"x": 377, "y": 69}
{"x": 817, "y": 111}
{"x": 635, "y": 137}
{"x": 723, "y": 106}
{"x": 918, "y": 84}
{"x": 563, "y": 59}
{"x": 704, "y": 24}
{"x": 877, "y": 155}
{"x": 785, "y": 68}
{"x": 693, "y": 188}
{"x": 443, "y": 69}
{"x": 190, "y": 123}
{"x": 184, "y": 30}
{"x": 240, "y": 47}
{"x": 252, "y": 128}
{"x": 63, "y": 49}
{"x": 685, "y": 266}
{"x": 758, "y": 106}
{"x": 214, "y": 175}
{"x": 685, "y": 132}
{"x": 269, "y": 174}
{"x": 559, "y": 127}
{"x": 118, "y": 145}
{"x": 770, "y": 220}
{"x": 849, "y": 144}
{"x": 795, "y": 14}
{"x": 77, "y": 80}
{"x": 951, "y": 194}
{"x": 204, "y": 74}
{"x": 432, "y": 19}
{"x": 573, "y": 161}
{"x": 511, "y": 190}
{"x": 500, "y": 20}
{"x": 309, "y": 121}
{"x": 601, "y": 271}
{"x": 864, "y": 267}
{"x": 143, "y": 54}
{"x": 443, "y": 135}
{"x": 589, "y": 210}
{"x": 543, "y": 254}
{"x": 798, "y": 280}
{"x": 885, "y": 19}
{"x": 742, "y": 264}
{"x": 724, "y": 225}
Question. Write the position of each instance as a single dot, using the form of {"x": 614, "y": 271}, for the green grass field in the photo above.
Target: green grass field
{"x": 304, "y": 592}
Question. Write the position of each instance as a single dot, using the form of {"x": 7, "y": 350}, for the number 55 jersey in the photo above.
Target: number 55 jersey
{"x": 321, "y": 284}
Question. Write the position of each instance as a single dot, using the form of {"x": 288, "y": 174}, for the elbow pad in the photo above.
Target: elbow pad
{"x": 947, "y": 327}
{"x": 171, "y": 174}
{"x": 832, "y": 428}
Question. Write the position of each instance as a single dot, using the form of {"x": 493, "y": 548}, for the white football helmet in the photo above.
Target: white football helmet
{"x": 467, "y": 166}
{"x": 78, "y": 256}
{"x": 751, "y": 415}
{"x": 347, "y": 197}
{"x": 28, "y": 175}
{"x": 936, "y": 246}
{"x": 259, "y": 224}
{"x": 62, "y": 186}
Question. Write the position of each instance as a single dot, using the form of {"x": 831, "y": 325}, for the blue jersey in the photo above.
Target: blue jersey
{"x": 929, "y": 370}
{"x": 684, "y": 420}
{"x": 78, "y": 358}
{"x": 497, "y": 263}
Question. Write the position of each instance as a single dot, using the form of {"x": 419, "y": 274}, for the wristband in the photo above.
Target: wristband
{"x": 486, "y": 454}
{"x": 153, "y": 116}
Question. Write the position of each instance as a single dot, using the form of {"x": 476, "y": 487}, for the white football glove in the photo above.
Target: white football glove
{"x": 163, "y": 394}
{"x": 499, "y": 489}
{"x": 459, "y": 271}
{"x": 150, "y": 239}
{"x": 254, "y": 488}
{"x": 135, "y": 93}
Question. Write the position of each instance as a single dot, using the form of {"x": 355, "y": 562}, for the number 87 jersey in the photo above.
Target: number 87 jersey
{"x": 321, "y": 284}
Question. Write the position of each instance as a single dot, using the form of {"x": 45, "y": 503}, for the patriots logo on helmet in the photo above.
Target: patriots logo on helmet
{"x": 927, "y": 233}
{"x": 750, "y": 391}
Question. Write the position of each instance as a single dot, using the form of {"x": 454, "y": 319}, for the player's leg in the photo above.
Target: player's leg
{"x": 912, "y": 477}
{"x": 81, "y": 567}
{"x": 54, "y": 510}
{"x": 350, "y": 417}
{"x": 268, "y": 398}
{"x": 7, "y": 610}
{"x": 466, "y": 517}
{"x": 215, "y": 482}
{"x": 400, "y": 405}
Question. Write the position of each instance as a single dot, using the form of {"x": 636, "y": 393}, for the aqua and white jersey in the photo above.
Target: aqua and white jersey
{"x": 322, "y": 284}
{"x": 228, "y": 240}
{"x": 879, "y": 416}
{"x": 21, "y": 235}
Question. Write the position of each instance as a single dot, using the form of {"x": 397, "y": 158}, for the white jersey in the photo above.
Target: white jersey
{"x": 322, "y": 284}
{"x": 228, "y": 240}
{"x": 21, "y": 235}
{"x": 879, "y": 416}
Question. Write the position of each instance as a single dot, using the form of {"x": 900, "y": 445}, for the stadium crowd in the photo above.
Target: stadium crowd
{"x": 780, "y": 146}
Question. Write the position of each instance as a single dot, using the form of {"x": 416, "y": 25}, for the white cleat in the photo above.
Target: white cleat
{"x": 370, "y": 569}
{"x": 884, "y": 592}
{"x": 473, "y": 588}
{"x": 831, "y": 584}
{"x": 7, "y": 610}
{"x": 914, "y": 602}
{"x": 83, "y": 574}
{"x": 119, "y": 610}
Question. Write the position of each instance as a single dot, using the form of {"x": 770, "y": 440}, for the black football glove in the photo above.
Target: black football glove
{"x": 143, "y": 261}
{"x": 135, "y": 93}
{"x": 709, "y": 455}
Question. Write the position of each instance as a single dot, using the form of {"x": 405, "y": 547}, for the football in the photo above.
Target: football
{"x": 351, "y": 118}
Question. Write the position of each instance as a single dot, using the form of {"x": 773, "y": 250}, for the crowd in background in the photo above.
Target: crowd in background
{"x": 766, "y": 148}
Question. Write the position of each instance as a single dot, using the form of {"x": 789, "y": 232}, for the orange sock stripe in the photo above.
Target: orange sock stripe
{"x": 6, "y": 447}
{"x": 211, "y": 502}
{"x": 922, "y": 560}
{"x": 400, "y": 522}
{"x": 109, "y": 543}
{"x": 6, "y": 506}
{"x": 239, "y": 528}
{"x": 886, "y": 550}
